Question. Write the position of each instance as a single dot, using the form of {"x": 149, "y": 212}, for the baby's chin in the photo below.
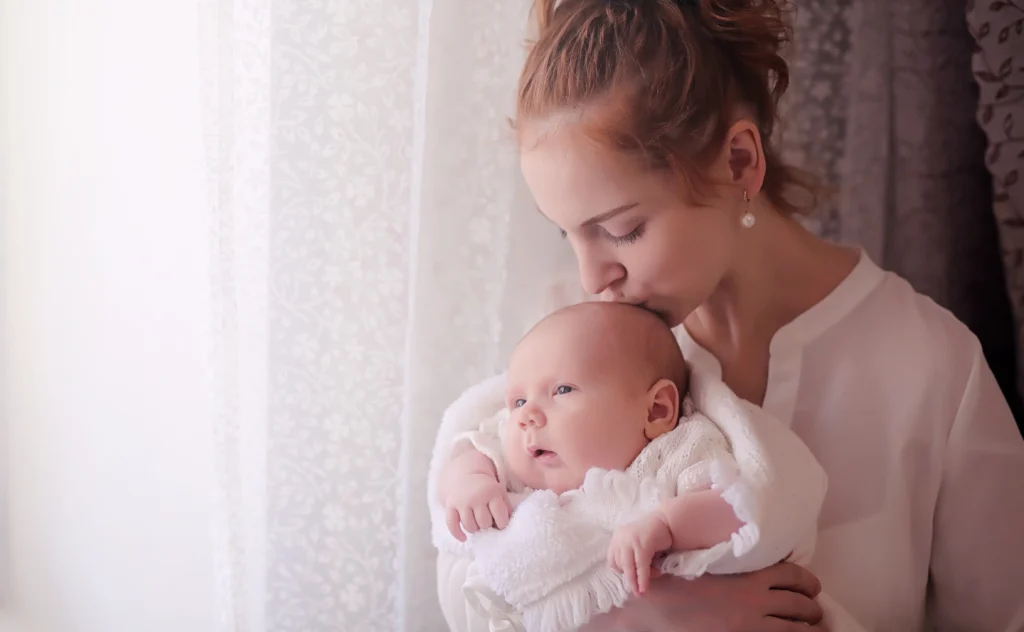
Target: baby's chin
{"x": 564, "y": 480}
{"x": 561, "y": 488}
{"x": 557, "y": 479}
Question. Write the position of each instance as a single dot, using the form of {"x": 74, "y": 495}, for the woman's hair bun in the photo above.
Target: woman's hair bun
{"x": 672, "y": 74}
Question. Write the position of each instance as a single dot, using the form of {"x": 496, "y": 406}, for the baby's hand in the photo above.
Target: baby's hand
{"x": 634, "y": 546}
{"x": 478, "y": 502}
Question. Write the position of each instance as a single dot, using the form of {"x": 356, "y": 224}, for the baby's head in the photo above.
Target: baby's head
{"x": 590, "y": 386}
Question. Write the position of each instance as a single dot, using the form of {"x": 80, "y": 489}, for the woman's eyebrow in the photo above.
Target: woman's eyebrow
{"x": 607, "y": 215}
{"x": 600, "y": 217}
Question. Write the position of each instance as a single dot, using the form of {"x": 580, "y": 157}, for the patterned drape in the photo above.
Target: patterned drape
{"x": 885, "y": 107}
{"x": 998, "y": 63}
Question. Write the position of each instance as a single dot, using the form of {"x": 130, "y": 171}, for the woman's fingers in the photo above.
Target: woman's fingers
{"x": 781, "y": 625}
{"x": 795, "y": 607}
{"x": 792, "y": 577}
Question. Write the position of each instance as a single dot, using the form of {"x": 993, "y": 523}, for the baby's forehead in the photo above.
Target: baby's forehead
{"x": 566, "y": 361}
{"x": 599, "y": 321}
{"x": 607, "y": 339}
{"x": 570, "y": 331}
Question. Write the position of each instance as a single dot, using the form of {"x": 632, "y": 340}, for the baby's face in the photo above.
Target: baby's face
{"x": 573, "y": 407}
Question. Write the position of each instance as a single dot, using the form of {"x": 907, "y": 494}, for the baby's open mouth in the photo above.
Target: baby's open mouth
{"x": 539, "y": 453}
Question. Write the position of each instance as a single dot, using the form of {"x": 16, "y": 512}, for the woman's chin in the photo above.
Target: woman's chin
{"x": 669, "y": 317}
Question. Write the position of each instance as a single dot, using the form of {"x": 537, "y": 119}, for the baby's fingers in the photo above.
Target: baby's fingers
{"x": 499, "y": 511}
{"x": 483, "y": 517}
{"x": 627, "y": 563}
{"x": 617, "y": 553}
{"x": 643, "y": 570}
{"x": 469, "y": 523}
{"x": 454, "y": 524}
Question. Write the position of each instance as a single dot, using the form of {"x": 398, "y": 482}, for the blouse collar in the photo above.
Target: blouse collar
{"x": 808, "y": 326}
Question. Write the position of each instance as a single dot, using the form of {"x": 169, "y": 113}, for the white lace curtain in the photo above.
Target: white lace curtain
{"x": 364, "y": 195}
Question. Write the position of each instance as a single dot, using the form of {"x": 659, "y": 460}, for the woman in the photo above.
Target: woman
{"x": 645, "y": 133}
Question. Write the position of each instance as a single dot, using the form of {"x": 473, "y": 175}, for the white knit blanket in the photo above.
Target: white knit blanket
{"x": 547, "y": 570}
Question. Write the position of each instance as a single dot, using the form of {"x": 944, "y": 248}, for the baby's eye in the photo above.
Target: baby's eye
{"x": 519, "y": 403}
{"x": 563, "y": 390}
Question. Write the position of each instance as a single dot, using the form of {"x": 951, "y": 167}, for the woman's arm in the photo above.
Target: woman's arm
{"x": 977, "y": 570}
{"x": 475, "y": 406}
{"x": 473, "y": 413}
{"x": 459, "y": 615}
{"x": 780, "y": 598}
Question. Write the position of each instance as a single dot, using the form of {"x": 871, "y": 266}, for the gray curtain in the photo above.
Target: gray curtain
{"x": 885, "y": 107}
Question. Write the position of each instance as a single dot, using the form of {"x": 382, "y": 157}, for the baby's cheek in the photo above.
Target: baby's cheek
{"x": 610, "y": 452}
{"x": 520, "y": 466}
{"x": 573, "y": 478}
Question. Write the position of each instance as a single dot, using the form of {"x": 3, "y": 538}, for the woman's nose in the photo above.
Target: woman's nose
{"x": 599, "y": 276}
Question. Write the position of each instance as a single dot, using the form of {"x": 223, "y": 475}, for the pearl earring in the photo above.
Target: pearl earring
{"x": 748, "y": 220}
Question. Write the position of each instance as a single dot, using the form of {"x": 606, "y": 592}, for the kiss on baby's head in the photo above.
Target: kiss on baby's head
{"x": 590, "y": 386}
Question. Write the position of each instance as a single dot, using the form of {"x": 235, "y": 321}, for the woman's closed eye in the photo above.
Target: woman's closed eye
{"x": 618, "y": 240}
{"x": 628, "y": 238}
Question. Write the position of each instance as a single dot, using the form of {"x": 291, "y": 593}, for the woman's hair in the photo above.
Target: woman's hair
{"x": 662, "y": 80}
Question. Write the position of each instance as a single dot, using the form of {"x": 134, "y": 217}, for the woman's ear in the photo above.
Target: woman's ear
{"x": 662, "y": 409}
{"x": 745, "y": 156}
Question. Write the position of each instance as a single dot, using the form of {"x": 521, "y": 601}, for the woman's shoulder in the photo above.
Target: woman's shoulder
{"x": 902, "y": 367}
{"x": 900, "y": 345}
{"x": 898, "y": 318}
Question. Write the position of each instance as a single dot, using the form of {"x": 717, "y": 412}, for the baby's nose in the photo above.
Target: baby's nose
{"x": 532, "y": 416}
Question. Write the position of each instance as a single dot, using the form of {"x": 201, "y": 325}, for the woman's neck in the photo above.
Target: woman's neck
{"x": 783, "y": 271}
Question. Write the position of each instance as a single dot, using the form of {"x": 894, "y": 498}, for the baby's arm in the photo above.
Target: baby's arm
{"x": 688, "y": 522}
{"x": 473, "y": 497}
{"x": 699, "y": 520}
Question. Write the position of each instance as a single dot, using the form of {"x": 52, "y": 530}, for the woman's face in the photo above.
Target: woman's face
{"x": 634, "y": 237}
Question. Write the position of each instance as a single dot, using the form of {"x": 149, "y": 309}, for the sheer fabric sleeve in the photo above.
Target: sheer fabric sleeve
{"x": 977, "y": 569}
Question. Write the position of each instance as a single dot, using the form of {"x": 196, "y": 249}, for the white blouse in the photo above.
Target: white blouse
{"x": 923, "y": 523}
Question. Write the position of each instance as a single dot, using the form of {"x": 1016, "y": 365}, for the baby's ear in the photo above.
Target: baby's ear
{"x": 662, "y": 409}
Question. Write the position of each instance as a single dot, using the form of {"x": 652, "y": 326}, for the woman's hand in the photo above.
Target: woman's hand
{"x": 780, "y": 598}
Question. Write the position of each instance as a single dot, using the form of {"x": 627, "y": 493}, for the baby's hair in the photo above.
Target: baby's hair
{"x": 661, "y": 80}
{"x": 662, "y": 348}
{"x": 638, "y": 331}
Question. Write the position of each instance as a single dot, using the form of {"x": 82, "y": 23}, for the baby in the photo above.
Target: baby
{"x": 590, "y": 389}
